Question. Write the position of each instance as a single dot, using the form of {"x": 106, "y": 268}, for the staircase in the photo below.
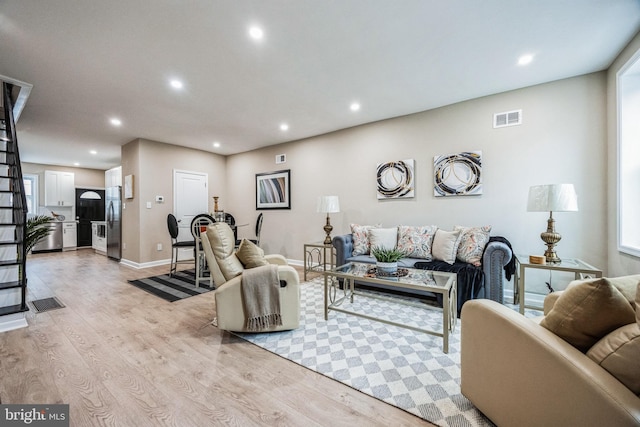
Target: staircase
{"x": 13, "y": 217}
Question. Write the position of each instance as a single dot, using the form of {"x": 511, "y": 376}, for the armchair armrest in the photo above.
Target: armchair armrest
{"x": 276, "y": 259}
{"x": 344, "y": 248}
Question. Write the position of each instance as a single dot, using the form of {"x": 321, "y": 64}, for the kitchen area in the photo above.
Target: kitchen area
{"x": 82, "y": 216}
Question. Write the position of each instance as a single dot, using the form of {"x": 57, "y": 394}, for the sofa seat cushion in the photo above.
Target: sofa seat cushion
{"x": 586, "y": 312}
{"x": 223, "y": 243}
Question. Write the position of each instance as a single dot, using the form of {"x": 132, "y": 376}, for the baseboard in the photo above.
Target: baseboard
{"x": 533, "y": 300}
{"x": 295, "y": 262}
{"x": 13, "y": 321}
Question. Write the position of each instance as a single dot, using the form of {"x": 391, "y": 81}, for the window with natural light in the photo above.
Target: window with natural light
{"x": 629, "y": 157}
{"x": 31, "y": 192}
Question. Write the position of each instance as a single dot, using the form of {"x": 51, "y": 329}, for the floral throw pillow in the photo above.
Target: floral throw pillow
{"x": 416, "y": 241}
{"x": 472, "y": 243}
{"x": 361, "y": 244}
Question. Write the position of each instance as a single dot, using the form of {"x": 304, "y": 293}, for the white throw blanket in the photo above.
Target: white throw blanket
{"x": 261, "y": 297}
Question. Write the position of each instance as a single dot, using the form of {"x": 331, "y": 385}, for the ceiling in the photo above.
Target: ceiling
{"x": 93, "y": 60}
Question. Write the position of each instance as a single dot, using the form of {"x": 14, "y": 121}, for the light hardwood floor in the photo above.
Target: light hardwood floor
{"x": 122, "y": 357}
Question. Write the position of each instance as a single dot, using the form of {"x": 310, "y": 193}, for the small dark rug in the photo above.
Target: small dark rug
{"x": 180, "y": 286}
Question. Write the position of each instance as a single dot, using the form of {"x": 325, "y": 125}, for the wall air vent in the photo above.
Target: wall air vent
{"x": 509, "y": 118}
{"x": 281, "y": 158}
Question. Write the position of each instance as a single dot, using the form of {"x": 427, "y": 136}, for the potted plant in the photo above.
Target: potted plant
{"x": 387, "y": 259}
{"x": 36, "y": 230}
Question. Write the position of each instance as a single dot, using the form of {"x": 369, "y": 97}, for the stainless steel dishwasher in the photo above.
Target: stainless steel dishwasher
{"x": 53, "y": 242}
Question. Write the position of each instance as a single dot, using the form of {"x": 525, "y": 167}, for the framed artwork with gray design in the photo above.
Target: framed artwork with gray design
{"x": 395, "y": 179}
{"x": 273, "y": 190}
{"x": 458, "y": 174}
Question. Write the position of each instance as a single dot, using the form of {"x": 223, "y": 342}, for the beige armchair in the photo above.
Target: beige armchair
{"x": 226, "y": 269}
{"x": 519, "y": 373}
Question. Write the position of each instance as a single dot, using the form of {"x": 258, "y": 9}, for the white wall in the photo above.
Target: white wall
{"x": 562, "y": 139}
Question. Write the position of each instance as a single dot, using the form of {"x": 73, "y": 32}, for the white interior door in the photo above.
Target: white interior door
{"x": 190, "y": 198}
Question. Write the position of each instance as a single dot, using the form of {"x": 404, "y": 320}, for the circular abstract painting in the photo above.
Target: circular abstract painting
{"x": 458, "y": 174}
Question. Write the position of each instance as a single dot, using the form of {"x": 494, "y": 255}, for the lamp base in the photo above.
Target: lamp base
{"x": 328, "y": 228}
{"x": 550, "y": 238}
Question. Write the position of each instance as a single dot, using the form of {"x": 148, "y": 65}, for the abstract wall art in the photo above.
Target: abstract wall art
{"x": 395, "y": 179}
{"x": 458, "y": 174}
{"x": 273, "y": 190}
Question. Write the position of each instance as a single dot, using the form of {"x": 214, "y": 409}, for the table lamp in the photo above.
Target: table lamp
{"x": 550, "y": 198}
{"x": 328, "y": 204}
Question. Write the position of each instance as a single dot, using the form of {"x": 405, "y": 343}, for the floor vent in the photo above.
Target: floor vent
{"x": 46, "y": 304}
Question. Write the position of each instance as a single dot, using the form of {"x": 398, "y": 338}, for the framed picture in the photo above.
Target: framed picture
{"x": 128, "y": 187}
{"x": 395, "y": 179}
{"x": 458, "y": 174}
{"x": 273, "y": 190}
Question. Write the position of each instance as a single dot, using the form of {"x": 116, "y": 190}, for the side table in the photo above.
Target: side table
{"x": 317, "y": 257}
{"x": 581, "y": 269}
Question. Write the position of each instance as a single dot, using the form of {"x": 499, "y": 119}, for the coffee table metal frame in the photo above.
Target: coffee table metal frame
{"x": 424, "y": 280}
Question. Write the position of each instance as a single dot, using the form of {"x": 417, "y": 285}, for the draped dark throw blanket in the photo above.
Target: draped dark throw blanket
{"x": 510, "y": 268}
{"x": 470, "y": 278}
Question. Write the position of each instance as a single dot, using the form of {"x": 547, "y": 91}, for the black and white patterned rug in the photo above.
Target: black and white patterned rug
{"x": 404, "y": 368}
{"x": 180, "y": 286}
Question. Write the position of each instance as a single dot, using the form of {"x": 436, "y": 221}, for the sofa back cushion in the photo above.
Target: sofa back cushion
{"x": 416, "y": 241}
{"x": 360, "y": 235}
{"x": 223, "y": 245}
{"x": 250, "y": 254}
{"x": 445, "y": 245}
{"x": 619, "y": 352}
{"x": 385, "y": 238}
{"x": 588, "y": 311}
{"x": 472, "y": 243}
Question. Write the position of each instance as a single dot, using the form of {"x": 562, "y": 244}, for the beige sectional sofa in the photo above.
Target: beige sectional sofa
{"x": 579, "y": 365}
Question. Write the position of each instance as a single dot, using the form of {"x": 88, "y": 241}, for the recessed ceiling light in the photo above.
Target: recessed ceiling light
{"x": 284, "y": 127}
{"x": 525, "y": 59}
{"x": 216, "y": 144}
{"x": 116, "y": 122}
{"x": 256, "y": 33}
{"x": 93, "y": 152}
{"x": 76, "y": 164}
{"x": 176, "y": 84}
{"x": 354, "y": 106}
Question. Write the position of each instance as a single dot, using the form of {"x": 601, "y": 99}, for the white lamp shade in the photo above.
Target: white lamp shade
{"x": 328, "y": 204}
{"x": 552, "y": 198}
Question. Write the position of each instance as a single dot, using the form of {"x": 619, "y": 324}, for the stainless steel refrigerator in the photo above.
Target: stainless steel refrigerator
{"x": 113, "y": 216}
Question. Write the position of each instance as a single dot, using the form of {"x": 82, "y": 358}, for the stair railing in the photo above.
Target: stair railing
{"x": 20, "y": 207}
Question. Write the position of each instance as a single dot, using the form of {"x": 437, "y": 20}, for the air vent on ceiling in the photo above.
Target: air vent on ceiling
{"x": 509, "y": 118}
{"x": 281, "y": 158}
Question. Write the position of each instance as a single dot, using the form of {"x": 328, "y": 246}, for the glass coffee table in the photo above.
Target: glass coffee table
{"x": 437, "y": 282}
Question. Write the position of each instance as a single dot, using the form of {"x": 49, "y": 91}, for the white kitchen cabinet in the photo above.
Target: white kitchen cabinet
{"x": 113, "y": 177}
{"x": 59, "y": 188}
{"x": 69, "y": 235}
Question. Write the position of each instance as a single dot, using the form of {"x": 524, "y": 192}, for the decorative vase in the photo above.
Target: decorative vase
{"x": 387, "y": 268}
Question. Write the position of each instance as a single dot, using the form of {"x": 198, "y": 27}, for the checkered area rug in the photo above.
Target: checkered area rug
{"x": 404, "y": 368}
